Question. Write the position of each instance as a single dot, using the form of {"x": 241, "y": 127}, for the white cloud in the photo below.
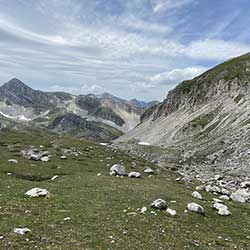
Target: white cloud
{"x": 214, "y": 49}
{"x": 81, "y": 89}
{"x": 177, "y": 75}
{"x": 160, "y": 6}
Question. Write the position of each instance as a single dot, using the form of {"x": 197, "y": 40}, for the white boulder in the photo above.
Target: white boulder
{"x": 159, "y": 204}
{"x": 37, "y": 192}
{"x": 171, "y": 212}
{"x": 13, "y": 161}
{"x": 118, "y": 169}
{"x": 35, "y": 157}
{"x": 148, "y": 170}
{"x": 22, "y": 231}
{"x": 194, "y": 207}
{"x": 45, "y": 158}
{"x": 218, "y": 206}
{"x": 143, "y": 210}
{"x": 224, "y": 212}
{"x": 134, "y": 175}
{"x": 197, "y": 195}
{"x": 241, "y": 195}
{"x": 224, "y": 197}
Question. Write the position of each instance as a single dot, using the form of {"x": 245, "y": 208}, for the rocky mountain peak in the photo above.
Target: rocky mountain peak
{"x": 14, "y": 84}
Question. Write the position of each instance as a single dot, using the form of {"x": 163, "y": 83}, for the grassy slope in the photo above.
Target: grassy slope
{"x": 96, "y": 204}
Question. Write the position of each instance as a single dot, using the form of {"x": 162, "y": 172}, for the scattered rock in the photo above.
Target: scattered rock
{"x": 222, "y": 209}
{"x": 217, "y": 200}
{"x": 197, "y": 195}
{"x": 171, "y": 212}
{"x": 134, "y": 175}
{"x": 63, "y": 157}
{"x": 224, "y": 212}
{"x": 67, "y": 218}
{"x": 54, "y": 177}
{"x": 12, "y": 161}
{"x": 143, "y": 210}
{"x": 22, "y": 231}
{"x": 224, "y": 197}
{"x": 35, "y": 157}
{"x": 212, "y": 189}
{"x": 148, "y": 170}
{"x": 218, "y": 206}
{"x": 241, "y": 195}
{"x": 37, "y": 192}
{"x": 118, "y": 169}
{"x": 159, "y": 204}
{"x": 245, "y": 184}
{"x": 45, "y": 159}
{"x": 193, "y": 207}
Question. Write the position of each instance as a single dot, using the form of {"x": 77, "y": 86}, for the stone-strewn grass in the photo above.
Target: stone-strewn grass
{"x": 101, "y": 208}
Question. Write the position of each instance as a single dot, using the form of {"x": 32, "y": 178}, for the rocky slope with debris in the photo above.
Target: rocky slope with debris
{"x": 203, "y": 125}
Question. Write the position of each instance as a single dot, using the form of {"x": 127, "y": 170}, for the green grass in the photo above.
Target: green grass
{"x": 96, "y": 204}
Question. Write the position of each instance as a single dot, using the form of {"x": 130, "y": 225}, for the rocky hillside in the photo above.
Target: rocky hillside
{"x": 21, "y": 103}
{"x": 74, "y": 124}
{"x": 203, "y": 124}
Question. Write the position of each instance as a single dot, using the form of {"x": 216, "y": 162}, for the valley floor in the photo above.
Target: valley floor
{"x": 102, "y": 211}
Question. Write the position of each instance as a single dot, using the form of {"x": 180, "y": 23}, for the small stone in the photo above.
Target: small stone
{"x": 37, "y": 192}
{"x": 12, "y": 161}
{"x": 193, "y": 207}
{"x": 45, "y": 159}
{"x": 197, "y": 195}
{"x": 218, "y": 206}
{"x": 67, "y": 218}
{"x": 171, "y": 212}
{"x": 22, "y": 231}
{"x": 54, "y": 177}
{"x": 63, "y": 157}
{"x": 159, "y": 204}
{"x": 217, "y": 200}
{"x": 224, "y": 197}
{"x": 224, "y": 212}
{"x": 148, "y": 170}
{"x": 99, "y": 174}
{"x": 143, "y": 210}
{"x": 35, "y": 157}
{"x": 134, "y": 175}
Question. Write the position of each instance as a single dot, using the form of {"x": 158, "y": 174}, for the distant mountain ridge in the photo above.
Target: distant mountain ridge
{"x": 22, "y": 103}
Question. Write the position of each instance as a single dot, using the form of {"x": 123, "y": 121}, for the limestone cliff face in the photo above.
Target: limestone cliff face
{"x": 206, "y": 119}
{"x": 228, "y": 79}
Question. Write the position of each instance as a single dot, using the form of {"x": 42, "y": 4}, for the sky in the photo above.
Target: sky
{"x": 130, "y": 48}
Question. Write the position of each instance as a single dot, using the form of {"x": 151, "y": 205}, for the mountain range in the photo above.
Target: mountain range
{"x": 97, "y": 117}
